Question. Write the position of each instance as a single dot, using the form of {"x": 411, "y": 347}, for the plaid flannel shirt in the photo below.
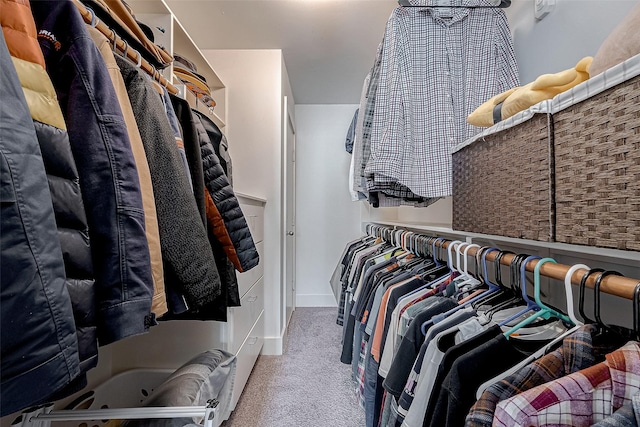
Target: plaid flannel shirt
{"x": 577, "y": 352}
{"x": 627, "y": 416}
{"x": 580, "y": 399}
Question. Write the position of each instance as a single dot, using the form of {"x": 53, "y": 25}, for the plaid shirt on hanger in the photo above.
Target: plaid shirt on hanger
{"x": 577, "y": 352}
{"x": 580, "y": 399}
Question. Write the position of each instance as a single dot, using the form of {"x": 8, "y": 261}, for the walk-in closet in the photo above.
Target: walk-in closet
{"x": 319, "y": 213}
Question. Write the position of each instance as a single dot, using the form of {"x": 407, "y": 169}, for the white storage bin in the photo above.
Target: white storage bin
{"x": 126, "y": 390}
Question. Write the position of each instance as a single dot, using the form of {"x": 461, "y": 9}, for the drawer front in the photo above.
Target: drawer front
{"x": 247, "y": 279}
{"x": 246, "y": 315}
{"x": 246, "y": 358}
{"x": 255, "y": 219}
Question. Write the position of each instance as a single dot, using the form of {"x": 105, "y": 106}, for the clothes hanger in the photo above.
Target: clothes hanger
{"x": 636, "y": 311}
{"x": 516, "y": 293}
{"x": 452, "y": 245}
{"x": 479, "y": 281}
{"x": 583, "y": 283}
{"x": 544, "y": 311}
{"x": 538, "y": 354}
{"x": 597, "y": 292}
{"x": 434, "y": 253}
{"x": 467, "y": 279}
{"x": 603, "y": 327}
{"x": 424, "y": 326}
{"x": 521, "y": 263}
{"x": 501, "y": 288}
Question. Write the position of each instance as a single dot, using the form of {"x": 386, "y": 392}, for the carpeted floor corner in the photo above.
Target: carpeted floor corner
{"x": 306, "y": 386}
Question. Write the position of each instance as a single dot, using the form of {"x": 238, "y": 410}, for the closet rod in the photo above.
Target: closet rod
{"x": 132, "y": 54}
{"x": 620, "y": 286}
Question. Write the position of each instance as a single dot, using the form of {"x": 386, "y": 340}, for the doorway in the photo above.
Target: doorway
{"x": 289, "y": 207}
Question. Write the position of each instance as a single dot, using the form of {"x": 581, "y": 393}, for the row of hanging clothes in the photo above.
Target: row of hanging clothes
{"x": 438, "y": 61}
{"x": 458, "y": 343}
{"x": 116, "y": 201}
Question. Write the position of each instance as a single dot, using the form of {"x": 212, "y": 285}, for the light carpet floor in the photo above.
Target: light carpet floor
{"x": 306, "y": 386}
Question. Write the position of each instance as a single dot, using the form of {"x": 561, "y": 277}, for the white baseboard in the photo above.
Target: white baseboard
{"x": 272, "y": 346}
{"x": 316, "y": 300}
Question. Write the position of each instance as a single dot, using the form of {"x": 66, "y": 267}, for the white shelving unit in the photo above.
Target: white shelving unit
{"x": 171, "y": 34}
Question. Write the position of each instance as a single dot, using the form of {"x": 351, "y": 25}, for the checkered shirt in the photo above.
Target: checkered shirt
{"x": 580, "y": 399}
{"x": 361, "y": 148}
{"x": 627, "y": 416}
{"x": 434, "y": 72}
{"x": 577, "y": 352}
{"x": 360, "y": 379}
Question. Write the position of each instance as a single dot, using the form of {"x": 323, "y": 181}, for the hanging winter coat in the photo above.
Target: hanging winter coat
{"x": 106, "y": 167}
{"x": 188, "y": 259}
{"x": 229, "y": 296}
{"x": 220, "y": 144}
{"x": 223, "y": 210}
{"x": 62, "y": 175}
{"x": 38, "y": 343}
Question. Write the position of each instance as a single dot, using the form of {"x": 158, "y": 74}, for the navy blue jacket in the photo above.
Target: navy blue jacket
{"x": 106, "y": 167}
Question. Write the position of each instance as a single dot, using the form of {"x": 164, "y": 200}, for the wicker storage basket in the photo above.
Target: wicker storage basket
{"x": 502, "y": 181}
{"x": 597, "y": 148}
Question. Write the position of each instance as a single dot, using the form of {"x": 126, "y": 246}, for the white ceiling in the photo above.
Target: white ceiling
{"x": 328, "y": 45}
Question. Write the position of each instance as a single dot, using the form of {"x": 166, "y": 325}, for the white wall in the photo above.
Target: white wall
{"x": 326, "y": 218}
{"x": 573, "y": 30}
{"x": 254, "y": 84}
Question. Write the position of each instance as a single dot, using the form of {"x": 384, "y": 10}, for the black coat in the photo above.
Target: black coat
{"x": 62, "y": 176}
{"x": 38, "y": 344}
{"x": 233, "y": 231}
{"x": 188, "y": 259}
{"x": 220, "y": 144}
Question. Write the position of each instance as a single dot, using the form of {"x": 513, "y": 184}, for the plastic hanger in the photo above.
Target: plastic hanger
{"x": 603, "y": 327}
{"x": 498, "y": 275}
{"x": 636, "y": 311}
{"x": 538, "y": 354}
{"x": 521, "y": 261}
{"x": 583, "y": 284}
{"x": 94, "y": 18}
{"x": 596, "y": 289}
{"x": 450, "y": 253}
{"x": 544, "y": 311}
{"x": 467, "y": 304}
{"x": 465, "y": 278}
{"x": 481, "y": 280}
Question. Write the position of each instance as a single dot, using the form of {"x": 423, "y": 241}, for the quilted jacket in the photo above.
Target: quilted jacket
{"x": 229, "y": 296}
{"x": 220, "y": 144}
{"x": 62, "y": 174}
{"x": 223, "y": 210}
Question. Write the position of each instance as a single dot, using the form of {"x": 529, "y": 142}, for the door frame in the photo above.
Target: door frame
{"x": 287, "y": 120}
